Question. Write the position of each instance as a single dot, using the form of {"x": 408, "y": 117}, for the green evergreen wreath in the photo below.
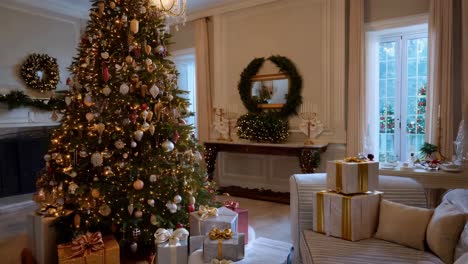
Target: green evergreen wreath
{"x": 285, "y": 66}
{"x": 40, "y": 72}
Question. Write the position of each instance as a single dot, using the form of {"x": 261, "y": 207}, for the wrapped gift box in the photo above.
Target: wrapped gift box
{"x": 177, "y": 254}
{"x": 352, "y": 177}
{"x": 41, "y": 238}
{"x": 229, "y": 249}
{"x": 243, "y": 218}
{"x": 195, "y": 243}
{"x": 201, "y": 226}
{"x": 109, "y": 255}
{"x": 351, "y": 217}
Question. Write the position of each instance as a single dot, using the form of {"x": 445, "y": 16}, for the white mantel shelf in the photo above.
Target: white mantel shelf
{"x": 276, "y": 145}
{"x": 432, "y": 179}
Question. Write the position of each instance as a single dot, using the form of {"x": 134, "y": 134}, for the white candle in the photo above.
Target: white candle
{"x": 438, "y": 113}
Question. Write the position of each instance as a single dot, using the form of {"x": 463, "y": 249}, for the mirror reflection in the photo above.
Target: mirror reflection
{"x": 270, "y": 91}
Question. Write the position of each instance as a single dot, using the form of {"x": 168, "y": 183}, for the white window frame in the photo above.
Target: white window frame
{"x": 377, "y": 32}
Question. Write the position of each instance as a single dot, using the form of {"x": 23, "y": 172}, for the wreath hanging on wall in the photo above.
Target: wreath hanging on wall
{"x": 285, "y": 66}
{"x": 40, "y": 72}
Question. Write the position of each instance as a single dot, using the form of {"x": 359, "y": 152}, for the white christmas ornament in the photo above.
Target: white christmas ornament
{"x": 73, "y": 174}
{"x": 172, "y": 207}
{"x": 191, "y": 199}
{"x": 160, "y": 49}
{"x": 47, "y": 157}
{"x": 154, "y": 90}
{"x": 138, "y": 135}
{"x": 68, "y": 100}
{"x": 151, "y": 202}
{"x": 124, "y": 89}
{"x": 197, "y": 156}
{"x": 177, "y": 199}
{"x": 138, "y": 214}
{"x": 148, "y": 62}
{"x": 130, "y": 208}
{"x": 170, "y": 97}
{"x": 96, "y": 159}
{"x": 153, "y": 178}
{"x": 168, "y": 146}
{"x": 105, "y": 55}
{"x": 133, "y": 144}
{"x": 124, "y": 18}
{"x": 119, "y": 144}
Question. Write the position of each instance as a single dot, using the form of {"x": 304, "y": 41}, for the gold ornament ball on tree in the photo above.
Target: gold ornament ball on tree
{"x": 95, "y": 193}
{"x": 138, "y": 184}
{"x": 105, "y": 210}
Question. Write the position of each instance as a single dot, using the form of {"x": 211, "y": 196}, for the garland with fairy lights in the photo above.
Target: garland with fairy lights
{"x": 286, "y": 66}
{"x": 17, "y": 99}
{"x": 263, "y": 127}
{"x": 47, "y": 66}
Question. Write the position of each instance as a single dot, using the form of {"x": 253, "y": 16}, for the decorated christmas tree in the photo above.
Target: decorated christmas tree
{"x": 123, "y": 160}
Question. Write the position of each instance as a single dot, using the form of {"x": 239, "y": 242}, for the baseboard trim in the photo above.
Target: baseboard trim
{"x": 256, "y": 194}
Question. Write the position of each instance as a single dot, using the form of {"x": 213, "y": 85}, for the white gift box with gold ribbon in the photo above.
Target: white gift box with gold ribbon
{"x": 223, "y": 244}
{"x": 207, "y": 218}
{"x": 351, "y": 217}
{"x": 352, "y": 177}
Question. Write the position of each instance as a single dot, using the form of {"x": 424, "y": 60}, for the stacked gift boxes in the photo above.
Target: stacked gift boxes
{"x": 215, "y": 230}
{"x": 349, "y": 207}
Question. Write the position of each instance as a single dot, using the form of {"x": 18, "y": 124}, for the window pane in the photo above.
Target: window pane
{"x": 411, "y": 83}
{"x": 391, "y": 69}
{"x": 422, "y": 67}
{"x": 382, "y": 89}
{"x": 391, "y": 87}
{"x": 412, "y": 102}
{"x": 390, "y": 50}
{"x": 382, "y": 70}
{"x": 411, "y": 67}
{"x": 412, "y": 48}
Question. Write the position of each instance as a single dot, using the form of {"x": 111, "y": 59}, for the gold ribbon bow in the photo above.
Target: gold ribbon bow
{"x": 215, "y": 233}
{"x": 173, "y": 236}
{"x": 85, "y": 244}
{"x": 205, "y": 212}
{"x": 223, "y": 261}
{"x": 354, "y": 159}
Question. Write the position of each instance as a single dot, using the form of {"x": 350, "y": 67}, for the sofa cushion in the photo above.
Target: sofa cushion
{"x": 403, "y": 224}
{"x": 463, "y": 259}
{"x": 444, "y": 230}
{"x": 321, "y": 249}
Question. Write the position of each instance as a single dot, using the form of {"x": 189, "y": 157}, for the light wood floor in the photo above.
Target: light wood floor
{"x": 270, "y": 220}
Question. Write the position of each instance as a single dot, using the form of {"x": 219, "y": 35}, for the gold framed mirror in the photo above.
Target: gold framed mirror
{"x": 270, "y": 91}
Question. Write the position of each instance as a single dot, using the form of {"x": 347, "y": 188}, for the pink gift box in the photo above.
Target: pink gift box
{"x": 243, "y": 222}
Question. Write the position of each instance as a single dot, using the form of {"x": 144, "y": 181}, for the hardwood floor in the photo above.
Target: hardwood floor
{"x": 268, "y": 219}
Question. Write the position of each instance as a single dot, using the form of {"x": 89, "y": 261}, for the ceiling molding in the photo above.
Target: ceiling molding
{"x": 226, "y": 8}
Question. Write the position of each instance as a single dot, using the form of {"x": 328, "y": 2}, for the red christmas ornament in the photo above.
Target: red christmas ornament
{"x": 176, "y": 137}
{"x": 50, "y": 170}
{"x": 105, "y": 72}
{"x": 179, "y": 225}
{"x": 191, "y": 208}
{"x": 133, "y": 117}
{"x": 68, "y": 81}
{"x": 144, "y": 106}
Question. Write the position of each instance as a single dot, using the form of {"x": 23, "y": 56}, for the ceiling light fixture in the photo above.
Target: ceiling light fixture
{"x": 175, "y": 11}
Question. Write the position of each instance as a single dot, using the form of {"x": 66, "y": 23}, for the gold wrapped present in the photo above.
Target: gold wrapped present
{"x": 351, "y": 176}
{"x": 351, "y": 217}
{"x": 89, "y": 249}
{"x": 223, "y": 244}
{"x": 207, "y": 218}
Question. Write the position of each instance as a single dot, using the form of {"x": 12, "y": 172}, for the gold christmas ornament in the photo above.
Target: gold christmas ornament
{"x": 95, "y": 193}
{"x": 105, "y": 210}
{"x": 105, "y": 55}
{"x": 106, "y": 91}
{"x": 129, "y": 60}
{"x": 72, "y": 187}
{"x": 151, "y": 129}
{"x": 138, "y": 135}
{"x": 138, "y": 184}
{"x": 150, "y": 116}
{"x": 89, "y": 116}
{"x": 77, "y": 221}
{"x": 135, "y": 78}
{"x": 112, "y": 5}
{"x": 134, "y": 26}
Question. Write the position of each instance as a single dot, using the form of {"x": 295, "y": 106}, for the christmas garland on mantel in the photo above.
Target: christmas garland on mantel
{"x": 17, "y": 99}
{"x": 285, "y": 66}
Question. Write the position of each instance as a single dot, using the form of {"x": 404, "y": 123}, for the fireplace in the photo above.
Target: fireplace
{"x": 21, "y": 158}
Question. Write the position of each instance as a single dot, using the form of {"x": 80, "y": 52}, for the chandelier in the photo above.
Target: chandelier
{"x": 174, "y": 10}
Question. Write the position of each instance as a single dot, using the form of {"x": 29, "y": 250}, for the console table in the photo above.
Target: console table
{"x": 435, "y": 183}
{"x": 307, "y": 154}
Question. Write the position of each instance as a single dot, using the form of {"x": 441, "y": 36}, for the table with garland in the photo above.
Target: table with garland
{"x": 309, "y": 155}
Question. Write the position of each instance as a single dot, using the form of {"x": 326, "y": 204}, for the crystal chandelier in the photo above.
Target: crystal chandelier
{"x": 173, "y": 9}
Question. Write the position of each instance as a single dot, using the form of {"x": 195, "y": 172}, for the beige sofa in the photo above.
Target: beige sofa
{"x": 311, "y": 247}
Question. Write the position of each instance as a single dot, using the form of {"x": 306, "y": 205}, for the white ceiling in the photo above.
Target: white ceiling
{"x": 80, "y": 8}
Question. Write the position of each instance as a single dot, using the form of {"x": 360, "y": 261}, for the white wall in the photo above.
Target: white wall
{"x": 386, "y": 9}
{"x": 25, "y": 32}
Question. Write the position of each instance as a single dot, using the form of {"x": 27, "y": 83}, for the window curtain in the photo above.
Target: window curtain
{"x": 447, "y": 58}
{"x": 356, "y": 125}
{"x": 204, "y": 93}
